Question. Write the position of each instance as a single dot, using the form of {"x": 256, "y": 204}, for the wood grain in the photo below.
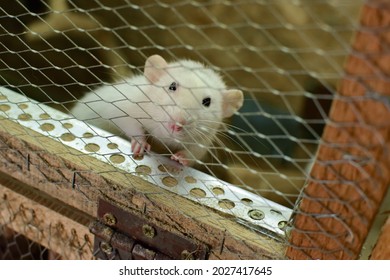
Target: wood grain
{"x": 351, "y": 173}
{"x": 79, "y": 180}
{"x": 381, "y": 250}
{"x": 45, "y": 220}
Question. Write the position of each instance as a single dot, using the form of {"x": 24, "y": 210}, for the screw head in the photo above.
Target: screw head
{"x": 107, "y": 232}
{"x": 282, "y": 225}
{"x": 109, "y": 219}
{"x": 106, "y": 248}
{"x": 256, "y": 214}
{"x": 148, "y": 231}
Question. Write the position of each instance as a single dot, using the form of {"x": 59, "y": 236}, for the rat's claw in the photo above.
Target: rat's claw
{"x": 138, "y": 147}
{"x": 181, "y": 158}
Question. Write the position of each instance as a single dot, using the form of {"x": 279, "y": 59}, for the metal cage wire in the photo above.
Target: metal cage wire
{"x": 286, "y": 56}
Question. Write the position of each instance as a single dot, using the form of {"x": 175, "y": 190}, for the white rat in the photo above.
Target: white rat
{"x": 181, "y": 104}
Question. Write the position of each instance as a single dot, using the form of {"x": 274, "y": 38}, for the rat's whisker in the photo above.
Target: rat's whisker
{"x": 149, "y": 102}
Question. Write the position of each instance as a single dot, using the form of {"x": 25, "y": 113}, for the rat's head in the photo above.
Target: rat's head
{"x": 192, "y": 100}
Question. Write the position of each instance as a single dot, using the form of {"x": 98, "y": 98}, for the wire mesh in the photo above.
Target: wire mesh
{"x": 285, "y": 56}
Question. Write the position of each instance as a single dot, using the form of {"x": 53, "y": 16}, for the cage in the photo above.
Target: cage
{"x": 299, "y": 170}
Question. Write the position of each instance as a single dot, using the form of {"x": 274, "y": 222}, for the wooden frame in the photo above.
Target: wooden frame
{"x": 381, "y": 250}
{"x": 59, "y": 186}
{"x": 352, "y": 171}
{"x": 45, "y": 220}
{"x": 78, "y": 180}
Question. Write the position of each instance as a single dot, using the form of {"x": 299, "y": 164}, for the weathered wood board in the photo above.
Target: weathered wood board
{"x": 352, "y": 170}
{"x": 78, "y": 180}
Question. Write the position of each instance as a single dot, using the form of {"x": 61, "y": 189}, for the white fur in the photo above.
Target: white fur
{"x": 144, "y": 104}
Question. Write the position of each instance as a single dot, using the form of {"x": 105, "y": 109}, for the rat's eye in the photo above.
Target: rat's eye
{"x": 173, "y": 86}
{"x": 206, "y": 102}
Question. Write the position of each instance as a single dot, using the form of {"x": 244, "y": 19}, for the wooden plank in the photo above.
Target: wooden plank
{"x": 381, "y": 250}
{"x": 44, "y": 220}
{"x": 351, "y": 173}
{"x": 78, "y": 180}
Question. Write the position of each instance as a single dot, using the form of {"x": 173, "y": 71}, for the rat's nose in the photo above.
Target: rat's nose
{"x": 176, "y": 126}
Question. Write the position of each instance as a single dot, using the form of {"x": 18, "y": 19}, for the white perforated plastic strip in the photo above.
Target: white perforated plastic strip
{"x": 249, "y": 209}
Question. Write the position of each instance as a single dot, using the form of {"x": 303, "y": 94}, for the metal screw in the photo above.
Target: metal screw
{"x": 185, "y": 255}
{"x": 148, "y": 231}
{"x": 106, "y": 248}
{"x": 109, "y": 219}
{"x": 256, "y": 214}
{"x": 282, "y": 225}
{"x": 107, "y": 232}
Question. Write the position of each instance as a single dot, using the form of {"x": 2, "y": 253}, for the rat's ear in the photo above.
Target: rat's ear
{"x": 232, "y": 102}
{"x": 154, "y": 68}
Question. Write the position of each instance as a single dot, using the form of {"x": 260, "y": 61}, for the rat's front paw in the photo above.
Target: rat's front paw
{"x": 181, "y": 157}
{"x": 139, "y": 146}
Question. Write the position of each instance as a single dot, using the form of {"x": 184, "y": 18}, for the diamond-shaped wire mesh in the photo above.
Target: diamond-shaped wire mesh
{"x": 286, "y": 57}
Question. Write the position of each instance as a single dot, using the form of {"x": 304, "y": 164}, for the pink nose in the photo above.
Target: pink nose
{"x": 176, "y": 126}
